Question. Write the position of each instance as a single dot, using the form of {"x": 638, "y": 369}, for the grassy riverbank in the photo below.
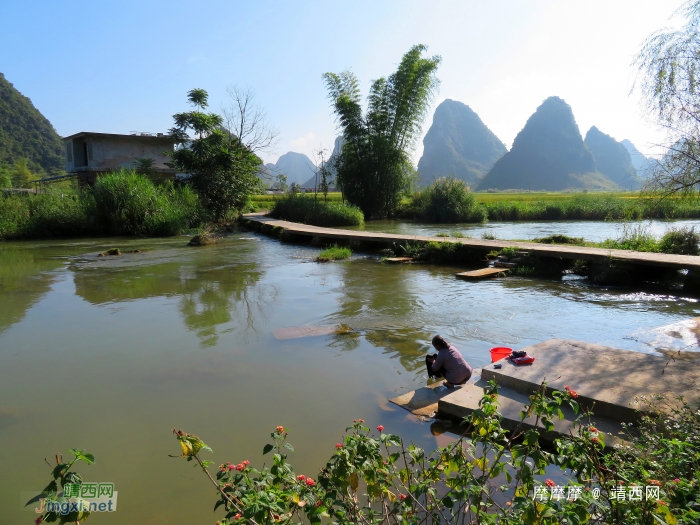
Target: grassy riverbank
{"x": 308, "y": 210}
{"x": 533, "y": 206}
{"x": 121, "y": 203}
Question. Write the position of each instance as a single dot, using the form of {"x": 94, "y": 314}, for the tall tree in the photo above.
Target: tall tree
{"x": 21, "y": 174}
{"x": 375, "y": 165}
{"x": 222, "y": 169}
{"x": 669, "y": 81}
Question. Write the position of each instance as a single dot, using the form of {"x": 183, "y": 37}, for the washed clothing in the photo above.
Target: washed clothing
{"x": 457, "y": 370}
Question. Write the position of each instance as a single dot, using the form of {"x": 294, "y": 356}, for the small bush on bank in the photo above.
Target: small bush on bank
{"x": 560, "y": 239}
{"x": 683, "y": 241}
{"x": 334, "y": 253}
{"x": 309, "y": 210}
{"x": 445, "y": 200}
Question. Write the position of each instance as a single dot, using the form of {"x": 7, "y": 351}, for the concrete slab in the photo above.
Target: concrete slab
{"x": 397, "y": 260}
{"x": 484, "y": 273}
{"x": 424, "y": 401}
{"x": 608, "y": 377}
{"x": 463, "y": 402}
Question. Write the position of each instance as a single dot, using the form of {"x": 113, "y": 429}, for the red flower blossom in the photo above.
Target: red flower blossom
{"x": 231, "y": 467}
{"x": 338, "y": 445}
{"x": 38, "y": 520}
{"x": 362, "y": 420}
{"x": 380, "y": 428}
{"x": 319, "y": 503}
{"x": 240, "y": 467}
{"x": 662, "y": 503}
{"x": 354, "y": 420}
{"x": 593, "y": 429}
{"x": 402, "y": 497}
{"x": 310, "y": 482}
{"x": 237, "y": 517}
{"x": 676, "y": 480}
{"x": 573, "y": 393}
{"x": 595, "y": 440}
{"x": 280, "y": 429}
{"x": 550, "y": 483}
{"x": 654, "y": 482}
{"x": 246, "y": 463}
{"x": 301, "y": 477}
{"x": 566, "y": 387}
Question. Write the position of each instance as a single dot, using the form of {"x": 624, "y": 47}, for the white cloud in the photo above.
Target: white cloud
{"x": 304, "y": 141}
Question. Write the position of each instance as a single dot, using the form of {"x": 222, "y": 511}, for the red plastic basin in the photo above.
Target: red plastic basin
{"x": 499, "y": 353}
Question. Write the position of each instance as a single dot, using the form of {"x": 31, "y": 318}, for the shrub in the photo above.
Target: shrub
{"x": 308, "y": 210}
{"x": 682, "y": 241}
{"x": 334, "y": 253}
{"x": 447, "y": 200}
{"x": 634, "y": 237}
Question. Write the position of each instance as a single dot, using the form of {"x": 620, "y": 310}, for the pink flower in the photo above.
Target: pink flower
{"x": 550, "y": 483}
{"x": 280, "y": 429}
{"x": 310, "y": 482}
{"x": 595, "y": 440}
{"x": 338, "y": 445}
{"x": 246, "y": 463}
{"x": 402, "y": 497}
{"x": 362, "y": 420}
{"x": 319, "y": 503}
{"x": 237, "y": 517}
{"x": 240, "y": 467}
{"x": 380, "y": 428}
{"x": 566, "y": 387}
{"x": 301, "y": 477}
{"x": 231, "y": 467}
{"x": 593, "y": 429}
{"x": 676, "y": 480}
{"x": 354, "y": 420}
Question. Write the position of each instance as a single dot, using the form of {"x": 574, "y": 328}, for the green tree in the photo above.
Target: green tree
{"x": 375, "y": 166}
{"x": 5, "y": 179}
{"x": 222, "y": 169}
{"x": 20, "y": 174}
{"x": 144, "y": 166}
{"x": 281, "y": 182}
{"x": 669, "y": 81}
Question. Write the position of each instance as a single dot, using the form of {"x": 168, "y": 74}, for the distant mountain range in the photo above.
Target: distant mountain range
{"x": 612, "y": 159}
{"x": 548, "y": 154}
{"x": 458, "y": 144}
{"x": 26, "y": 133}
{"x": 644, "y": 165}
{"x": 311, "y": 182}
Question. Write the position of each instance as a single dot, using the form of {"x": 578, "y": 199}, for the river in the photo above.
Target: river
{"x": 108, "y": 354}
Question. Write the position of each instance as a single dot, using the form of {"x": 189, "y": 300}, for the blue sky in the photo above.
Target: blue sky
{"x": 124, "y": 66}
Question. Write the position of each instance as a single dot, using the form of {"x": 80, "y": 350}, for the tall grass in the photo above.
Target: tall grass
{"x": 121, "y": 203}
{"x": 309, "y": 210}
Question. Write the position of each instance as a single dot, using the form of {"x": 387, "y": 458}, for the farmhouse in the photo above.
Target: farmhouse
{"x": 90, "y": 154}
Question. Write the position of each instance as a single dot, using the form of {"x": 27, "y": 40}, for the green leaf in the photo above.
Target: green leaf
{"x": 268, "y": 448}
{"x": 561, "y": 414}
{"x": 290, "y": 447}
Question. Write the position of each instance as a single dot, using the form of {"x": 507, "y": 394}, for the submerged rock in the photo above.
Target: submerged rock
{"x": 201, "y": 240}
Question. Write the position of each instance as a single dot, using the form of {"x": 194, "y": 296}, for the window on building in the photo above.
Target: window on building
{"x": 89, "y": 151}
{"x": 69, "y": 152}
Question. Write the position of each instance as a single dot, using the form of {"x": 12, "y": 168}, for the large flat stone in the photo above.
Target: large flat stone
{"x": 484, "y": 273}
{"x": 609, "y": 377}
{"x": 463, "y": 402}
{"x": 424, "y": 401}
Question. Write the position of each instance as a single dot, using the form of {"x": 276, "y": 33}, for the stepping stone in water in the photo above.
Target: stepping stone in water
{"x": 484, "y": 273}
{"x": 397, "y": 260}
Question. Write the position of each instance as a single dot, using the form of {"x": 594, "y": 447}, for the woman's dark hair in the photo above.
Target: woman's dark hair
{"x": 439, "y": 342}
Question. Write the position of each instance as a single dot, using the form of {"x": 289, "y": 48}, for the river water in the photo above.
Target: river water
{"x": 592, "y": 231}
{"x": 109, "y": 354}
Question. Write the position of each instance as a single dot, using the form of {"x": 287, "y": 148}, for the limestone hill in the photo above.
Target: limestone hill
{"x": 612, "y": 159}
{"x": 26, "y": 133}
{"x": 548, "y": 154}
{"x": 458, "y": 144}
{"x": 643, "y": 164}
{"x": 296, "y": 166}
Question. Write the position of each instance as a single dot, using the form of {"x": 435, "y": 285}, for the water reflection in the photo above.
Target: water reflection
{"x": 25, "y": 276}
{"x": 216, "y": 290}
